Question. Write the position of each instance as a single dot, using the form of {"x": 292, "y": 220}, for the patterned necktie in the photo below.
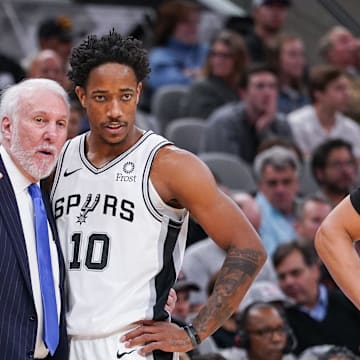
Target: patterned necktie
{"x": 51, "y": 327}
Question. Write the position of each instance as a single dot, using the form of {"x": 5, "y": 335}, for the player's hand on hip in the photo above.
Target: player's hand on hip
{"x": 157, "y": 335}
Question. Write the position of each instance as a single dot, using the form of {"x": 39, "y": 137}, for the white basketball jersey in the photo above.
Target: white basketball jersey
{"x": 123, "y": 246}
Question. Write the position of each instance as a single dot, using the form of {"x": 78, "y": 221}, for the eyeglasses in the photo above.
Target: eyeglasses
{"x": 221, "y": 54}
{"x": 341, "y": 164}
{"x": 269, "y": 332}
{"x": 261, "y": 85}
{"x": 275, "y": 182}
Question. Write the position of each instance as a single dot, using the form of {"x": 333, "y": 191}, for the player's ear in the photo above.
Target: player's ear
{"x": 80, "y": 93}
{"x": 139, "y": 88}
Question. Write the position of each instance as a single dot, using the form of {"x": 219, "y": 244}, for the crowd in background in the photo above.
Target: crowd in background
{"x": 260, "y": 101}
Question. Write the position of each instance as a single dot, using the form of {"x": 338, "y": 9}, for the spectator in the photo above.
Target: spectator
{"x": 263, "y": 334}
{"x": 277, "y": 173}
{"x": 177, "y": 55}
{"x": 288, "y": 58}
{"x": 269, "y": 19}
{"x": 55, "y": 33}
{"x": 312, "y": 124}
{"x": 310, "y": 213}
{"x": 337, "y": 47}
{"x": 225, "y": 63}
{"x": 47, "y": 64}
{"x": 240, "y": 127}
{"x": 334, "y": 168}
{"x": 320, "y": 315}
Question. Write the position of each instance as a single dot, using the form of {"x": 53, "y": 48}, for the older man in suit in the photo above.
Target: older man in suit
{"x": 34, "y": 118}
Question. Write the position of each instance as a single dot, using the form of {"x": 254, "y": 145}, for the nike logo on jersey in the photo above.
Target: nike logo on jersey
{"x": 119, "y": 356}
{"x": 68, "y": 173}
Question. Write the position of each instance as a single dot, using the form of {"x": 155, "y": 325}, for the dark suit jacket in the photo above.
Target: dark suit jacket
{"x": 18, "y": 320}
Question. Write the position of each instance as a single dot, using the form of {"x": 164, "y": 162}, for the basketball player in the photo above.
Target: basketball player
{"x": 121, "y": 198}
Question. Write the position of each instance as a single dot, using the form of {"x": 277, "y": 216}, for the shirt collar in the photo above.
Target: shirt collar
{"x": 318, "y": 312}
{"x": 17, "y": 179}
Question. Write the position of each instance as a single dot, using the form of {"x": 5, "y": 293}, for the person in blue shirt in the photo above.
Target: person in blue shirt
{"x": 177, "y": 56}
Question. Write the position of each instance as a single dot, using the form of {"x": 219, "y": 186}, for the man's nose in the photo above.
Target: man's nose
{"x": 114, "y": 110}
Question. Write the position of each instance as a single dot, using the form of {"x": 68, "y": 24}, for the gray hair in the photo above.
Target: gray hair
{"x": 325, "y": 41}
{"x": 11, "y": 97}
{"x": 278, "y": 157}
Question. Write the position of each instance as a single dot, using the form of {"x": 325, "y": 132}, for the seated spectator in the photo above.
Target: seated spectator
{"x": 177, "y": 56}
{"x": 263, "y": 334}
{"x": 225, "y": 63}
{"x": 54, "y": 33}
{"x": 288, "y": 58}
{"x": 47, "y": 64}
{"x": 199, "y": 268}
{"x": 269, "y": 19}
{"x": 310, "y": 213}
{"x": 277, "y": 173}
{"x": 313, "y": 124}
{"x": 335, "y": 169}
{"x": 319, "y": 315}
{"x": 337, "y": 47}
{"x": 239, "y": 128}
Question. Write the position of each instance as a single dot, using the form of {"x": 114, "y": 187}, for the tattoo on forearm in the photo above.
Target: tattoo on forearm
{"x": 240, "y": 266}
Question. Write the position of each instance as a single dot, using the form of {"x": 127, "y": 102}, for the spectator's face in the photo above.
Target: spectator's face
{"x": 63, "y": 48}
{"x": 279, "y": 187}
{"x": 222, "y": 61}
{"x": 271, "y": 17}
{"x": 314, "y": 212}
{"x": 340, "y": 173}
{"x": 110, "y": 99}
{"x": 261, "y": 92}
{"x": 342, "y": 47}
{"x": 36, "y": 136}
{"x": 267, "y": 334}
{"x": 298, "y": 280}
{"x": 182, "y": 305}
{"x": 292, "y": 59}
{"x": 48, "y": 66}
{"x": 186, "y": 30}
{"x": 336, "y": 95}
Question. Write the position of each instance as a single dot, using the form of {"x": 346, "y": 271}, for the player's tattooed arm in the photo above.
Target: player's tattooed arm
{"x": 236, "y": 274}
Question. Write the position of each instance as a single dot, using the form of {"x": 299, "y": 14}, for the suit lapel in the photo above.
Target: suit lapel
{"x": 10, "y": 213}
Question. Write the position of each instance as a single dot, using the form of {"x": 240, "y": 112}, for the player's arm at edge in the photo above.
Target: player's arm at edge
{"x": 334, "y": 243}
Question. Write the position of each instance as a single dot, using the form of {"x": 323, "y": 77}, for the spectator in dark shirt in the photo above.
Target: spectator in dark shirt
{"x": 239, "y": 128}
{"x": 225, "y": 63}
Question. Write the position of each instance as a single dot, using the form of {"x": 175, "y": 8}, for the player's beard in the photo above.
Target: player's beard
{"x": 26, "y": 158}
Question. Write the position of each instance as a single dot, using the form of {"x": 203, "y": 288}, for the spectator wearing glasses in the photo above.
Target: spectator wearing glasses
{"x": 334, "y": 168}
{"x": 277, "y": 173}
{"x": 239, "y": 128}
{"x": 225, "y": 64}
{"x": 263, "y": 334}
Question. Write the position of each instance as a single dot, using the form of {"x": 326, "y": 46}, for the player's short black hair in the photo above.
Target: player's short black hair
{"x": 110, "y": 48}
